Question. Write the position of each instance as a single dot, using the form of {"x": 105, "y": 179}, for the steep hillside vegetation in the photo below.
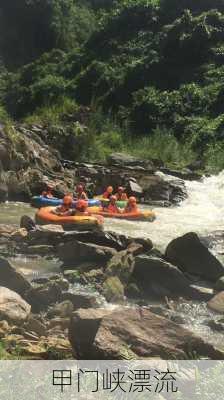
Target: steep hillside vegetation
{"x": 154, "y": 67}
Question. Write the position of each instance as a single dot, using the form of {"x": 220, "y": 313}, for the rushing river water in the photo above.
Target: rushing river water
{"x": 202, "y": 212}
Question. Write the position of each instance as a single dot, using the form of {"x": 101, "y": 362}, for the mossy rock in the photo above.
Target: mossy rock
{"x": 113, "y": 290}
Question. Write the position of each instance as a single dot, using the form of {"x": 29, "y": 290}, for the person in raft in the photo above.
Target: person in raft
{"x": 81, "y": 208}
{"x": 65, "y": 210}
{"x": 112, "y": 207}
{"x": 48, "y": 192}
{"x": 80, "y": 194}
{"x": 108, "y": 193}
{"x": 121, "y": 195}
{"x": 131, "y": 207}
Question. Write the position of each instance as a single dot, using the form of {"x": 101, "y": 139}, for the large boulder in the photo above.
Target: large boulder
{"x": 13, "y": 308}
{"x": 12, "y": 279}
{"x": 160, "y": 187}
{"x": 190, "y": 255}
{"x": 123, "y": 159}
{"x": 113, "y": 290}
{"x": 75, "y": 254}
{"x": 134, "y": 333}
{"x": 42, "y": 296}
{"x": 217, "y": 303}
{"x": 158, "y": 278}
{"x": 83, "y": 329}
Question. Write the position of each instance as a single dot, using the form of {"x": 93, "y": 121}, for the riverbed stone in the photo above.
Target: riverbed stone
{"x": 219, "y": 286}
{"x": 34, "y": 325}
{"x": 130, "y": 332}
{"x": 64, "y": 309}
{"x": 158, "y": 278}
{"x": 76, "y": 253}
{"x": 12, "y": 279}
{"x": 217, "y": 303}
{"x": 80, "y": 300}
{"x": 121, "y": 265}
{"x": 113, "y": 290}
{"x": 190, "y": 255}
{"x": 43, "y": 296}
{"x": 12, "y": 307}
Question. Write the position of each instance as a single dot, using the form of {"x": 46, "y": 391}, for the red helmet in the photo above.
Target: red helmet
{"x": 120, "y": 189}
{"x": 132, "y": 200}
{"x": 79, "y": 188}
{"x": 81, "y": 205}
{"x": 67, "y": 200}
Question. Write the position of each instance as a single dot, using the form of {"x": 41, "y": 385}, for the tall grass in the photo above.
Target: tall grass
{"x": 103, "y": 136}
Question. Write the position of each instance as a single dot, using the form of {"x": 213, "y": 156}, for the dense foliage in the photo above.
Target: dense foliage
{"x": 155, "y": 66}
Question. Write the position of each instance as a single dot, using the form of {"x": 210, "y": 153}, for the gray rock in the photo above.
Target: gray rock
{"x": 12, "y": 307}
{"x": 76, "y": 253}
{"x": 133, "y": 333}
{"x": 190, "y": 255}
{"x": 159, "y": 278}
{"x": 12, "y": 279}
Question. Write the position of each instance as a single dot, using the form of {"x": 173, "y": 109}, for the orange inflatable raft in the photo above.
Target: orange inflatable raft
{"x": 44, "y": 216}
{"x": 138, "y": 216}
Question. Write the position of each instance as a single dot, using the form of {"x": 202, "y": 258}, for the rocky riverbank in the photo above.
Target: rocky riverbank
{"x": 27, "y": 163}
{"x": 44, "y": 318}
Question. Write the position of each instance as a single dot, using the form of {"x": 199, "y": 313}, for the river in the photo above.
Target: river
{"x": 202, "y": 212}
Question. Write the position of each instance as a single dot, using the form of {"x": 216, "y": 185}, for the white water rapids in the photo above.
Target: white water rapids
{"x": 202, "y": 212}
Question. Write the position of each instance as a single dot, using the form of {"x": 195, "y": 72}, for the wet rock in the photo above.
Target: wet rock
{"x": 7, "y": 230}
{"x": 12, "y": 307}
{"x": 75, "y": 253}
{"x": 219, "y": 286}
{"x": 43, "y": 296}
{"x": 135, "y": 189}
{"x": 216, "y": 325}
{"x": 158, "y": 278}
{"x": 64, "y": 309}
{"x": 160, "y": 187}
{"x": 27, "y": 223}
{"x": 72, "y": 276}
{"x": 62, "y": 283}
{"x": 121, "y": 265}
{"x": 113, "y": 290}
{"x": 80, "y": 300}
{"x": 94, "y": 276}
{"x": 34, "y": 325}
{"x": 3, "y": 191}
{"x": 190, "y": 255}
{"x": 19, "y": 235}
{"x": 58, "y": 348}
{"x": 83, "y": 329}
{"x": 131, "y": 333}
{"x": 60, "y": 323}
{"x": 46, "y": 235}
{"x": 186, "y": 174}
{"x": 12, "y": 279}
{"x": 4, "y": 328}
{"x": 217, "y": 303}
{"x": 123, "y": 159}
{"x": 132, "y": 291}
{"x": 41, "y": 250}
